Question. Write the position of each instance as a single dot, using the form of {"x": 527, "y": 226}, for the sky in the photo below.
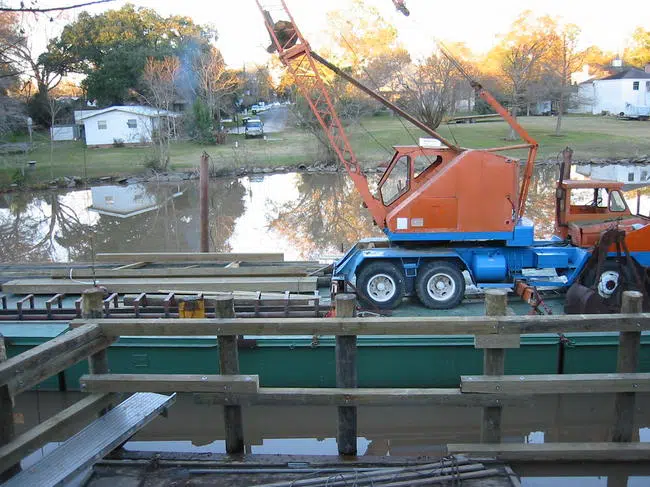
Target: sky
{"x": 242, "y": 37}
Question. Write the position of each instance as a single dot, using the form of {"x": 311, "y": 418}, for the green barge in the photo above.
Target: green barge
{"x": 305, "y": 361}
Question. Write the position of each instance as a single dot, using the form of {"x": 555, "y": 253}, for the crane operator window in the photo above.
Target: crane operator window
{"x": 397, "y": 182}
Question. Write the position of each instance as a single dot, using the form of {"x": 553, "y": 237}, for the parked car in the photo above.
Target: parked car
{"x": 254, "y": 128}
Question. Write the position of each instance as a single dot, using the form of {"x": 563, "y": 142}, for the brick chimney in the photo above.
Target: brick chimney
{"x": 647, "y": 68}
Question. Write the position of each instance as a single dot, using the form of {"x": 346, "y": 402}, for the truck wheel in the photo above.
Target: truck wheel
{"x": 440, "y": 285}
{"x": 611, "y": 282}
{"x": 381, "y": 284}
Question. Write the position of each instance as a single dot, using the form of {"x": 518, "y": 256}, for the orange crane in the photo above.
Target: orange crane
{"x": 446, "y": 210}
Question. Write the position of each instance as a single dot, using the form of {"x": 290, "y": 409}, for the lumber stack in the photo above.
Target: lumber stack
{"x": 189, "y": 272}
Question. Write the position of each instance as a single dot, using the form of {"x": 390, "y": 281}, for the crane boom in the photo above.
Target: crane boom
{"x": 295, "y": 53}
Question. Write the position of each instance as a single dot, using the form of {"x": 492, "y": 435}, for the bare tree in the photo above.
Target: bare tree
{"x": 53, "y": 109}
{"x": 427, "y": 89}
{"x": 160, "y": 80}
{"x": 214, "y": 81}
{"x": 520, "y": 67}
{"x": 564, "y": 59}
{"x": 35, "y": 9}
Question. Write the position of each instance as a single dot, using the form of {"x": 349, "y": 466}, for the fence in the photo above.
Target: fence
{"x": 493, "y": 333}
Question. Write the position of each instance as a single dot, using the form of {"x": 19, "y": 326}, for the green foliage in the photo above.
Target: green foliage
{"x": 111, "y": 48}
{"x": 18, "y": 177}
{"x": 200, "y": 125}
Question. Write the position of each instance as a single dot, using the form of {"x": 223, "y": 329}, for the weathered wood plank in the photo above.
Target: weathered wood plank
{"x": 555, "y": 384}
{"x": 6, "y": 422}
{"x": 555, "y": 452}
{"x": 447, "y": 325}
{"x": 40, "y": 355}
{"x": 314, "y": 396}
{"x": 204, "y": 284}
{"x": 34, "y": 376}
{"x": 346, "y": 377}
{"x": 169, "y": 383}
{"x": 121, "y": 273}
{"x": 49, "y": 429}
{"x": 187, "y": 257}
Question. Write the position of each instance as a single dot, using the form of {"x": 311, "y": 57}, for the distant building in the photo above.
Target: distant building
{"x": 625, "y": 93}
{"x": 128, "y": 125}
{"x": 65, "y": 132}
{"x": 131, "y": 200}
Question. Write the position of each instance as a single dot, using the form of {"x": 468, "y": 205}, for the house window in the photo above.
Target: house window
{"x": 132, "y": 123}
{"x": 647, "y": 86}
{"x": 630, "y": 177}
{"x": 635, "y": 85}
{"x": 101, "y": 125}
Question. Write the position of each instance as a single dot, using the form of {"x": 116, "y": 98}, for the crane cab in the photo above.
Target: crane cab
{"x": 435, "y": 194}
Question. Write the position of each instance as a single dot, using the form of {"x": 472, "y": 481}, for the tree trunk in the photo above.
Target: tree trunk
{"x": 560, "y": 110}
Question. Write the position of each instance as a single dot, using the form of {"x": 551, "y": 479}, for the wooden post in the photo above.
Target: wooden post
{"x": 6, "y": 417}
{"x": 224, "y": 307}
{"x": 346, "y": 376}
{"x": 629, "y": 343}
{"x": 92, "y": 306}
{"x": 204, "y": 210}
{"x": 493, "y": 364}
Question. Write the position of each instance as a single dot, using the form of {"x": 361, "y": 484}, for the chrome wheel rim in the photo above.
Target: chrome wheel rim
{"x": 608, "y": 283}
{"x": 381, "y": 288}
{"x": 441, "y": 287}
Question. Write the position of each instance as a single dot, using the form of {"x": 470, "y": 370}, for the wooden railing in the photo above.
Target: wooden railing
{"x": 494, "y": 333}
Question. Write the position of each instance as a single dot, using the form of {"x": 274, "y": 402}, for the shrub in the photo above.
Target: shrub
{"x": 118, "y": 143}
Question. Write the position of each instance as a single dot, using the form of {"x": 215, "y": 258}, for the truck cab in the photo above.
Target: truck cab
{"x": 585, "y": 208}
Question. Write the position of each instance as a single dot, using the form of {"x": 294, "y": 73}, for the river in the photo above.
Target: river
{"x": 307, "y": 216}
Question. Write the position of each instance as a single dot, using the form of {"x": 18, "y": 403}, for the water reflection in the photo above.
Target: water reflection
{"x": 306, "y": 216}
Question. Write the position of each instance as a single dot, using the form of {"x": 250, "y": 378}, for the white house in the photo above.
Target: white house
{"x": 626, "y": 93}
{"x": 120, "y": 124}
{"x": 131, "y": 200}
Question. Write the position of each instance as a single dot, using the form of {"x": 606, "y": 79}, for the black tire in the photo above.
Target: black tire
{"x": 440, "y": 285}
{"x": 381, "y": 284}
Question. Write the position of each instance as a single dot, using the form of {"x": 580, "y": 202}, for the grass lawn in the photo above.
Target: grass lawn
{"x": 590, "y": 137}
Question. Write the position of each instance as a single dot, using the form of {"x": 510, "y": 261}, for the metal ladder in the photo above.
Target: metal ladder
{"x": 94, "y": 441}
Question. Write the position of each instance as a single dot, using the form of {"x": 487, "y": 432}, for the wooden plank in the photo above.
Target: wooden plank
{"x": 499, "y": 341}
{"x": 224, "y": 307}
{"x": 205, "y": 284}
{"x": 555, "y": 452}
{"x": 443, "y": 325}
{"x": 496, "y": 302}
{"x": 135, "y": 265}
{"x": 34, "y": 376}
{"x": 333, "y": 396}
{"x": 169, "y": 383}
{"x": 6, "y": 422}
{"x": 555, "y": 384}
{"x": 40, "y": 355}
{"x": 188, "y": 257}
{"x": 121, "y": 273}
{"x": 346, "y": 376}
{"x": 50, "y": 429}
{"x": 629, "y": 347}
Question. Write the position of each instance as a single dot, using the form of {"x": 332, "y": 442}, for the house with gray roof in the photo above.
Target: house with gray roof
{"x": 625, "y": 93}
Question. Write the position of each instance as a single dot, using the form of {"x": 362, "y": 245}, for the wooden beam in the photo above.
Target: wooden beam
{"x": 346, "y": 376}
{"x": 555, "y": 452}
{"x": 315, "y": 396}
{"x": 121, "y": 273}
{"x": 204, "y": 284}
{"x": 34, "y": 376}
{"x": 188, "y": 257}
{"x": 555, "y": 384}
{"x": 40, "y": 355}
{"x": 447, "y": 325}
{"x": 50, "y": 429}
{"x": 169, "y": 383}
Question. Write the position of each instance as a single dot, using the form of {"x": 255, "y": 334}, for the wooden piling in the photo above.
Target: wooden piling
{"x": 204, "y": 206}
{"x": 6, "y": 417}
{"x": 224, "y": 307}
{"x": 92, "y": 306}
{"x": 346, "y": 376}
{"x": 629, "y": 344}
{"x": 493, "y": 364}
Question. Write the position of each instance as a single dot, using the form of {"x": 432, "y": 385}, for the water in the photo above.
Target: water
{"x": 307, "y": 216}
{"x": 410, "y": 431}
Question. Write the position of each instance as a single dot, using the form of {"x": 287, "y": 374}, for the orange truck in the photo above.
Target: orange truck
{"x": 454, "y": 215}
